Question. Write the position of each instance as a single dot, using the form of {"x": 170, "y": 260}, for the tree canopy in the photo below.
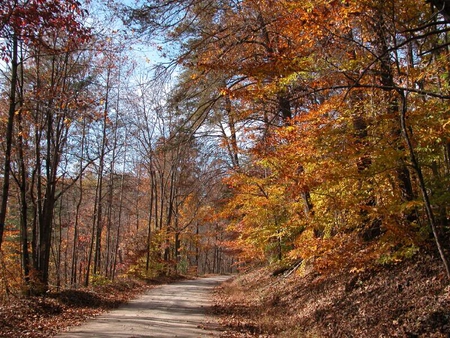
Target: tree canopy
{"x": 334, "y": 117}
{"x": 270, "y": 131}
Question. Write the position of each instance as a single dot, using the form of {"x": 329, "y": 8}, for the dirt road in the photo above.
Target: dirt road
{"x": 174, "y": 310}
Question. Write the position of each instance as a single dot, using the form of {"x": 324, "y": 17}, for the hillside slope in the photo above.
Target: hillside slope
{"x": 408, "y": 299}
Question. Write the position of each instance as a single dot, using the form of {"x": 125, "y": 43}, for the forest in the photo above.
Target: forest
{"x": 173, "y": 136}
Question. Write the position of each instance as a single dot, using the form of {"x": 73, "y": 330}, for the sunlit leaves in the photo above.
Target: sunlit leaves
{"x": 320, "y": 89}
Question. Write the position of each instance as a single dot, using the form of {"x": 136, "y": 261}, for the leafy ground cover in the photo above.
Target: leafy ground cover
{"x": 46, "y": 316}
{"x": 405, "y": 299}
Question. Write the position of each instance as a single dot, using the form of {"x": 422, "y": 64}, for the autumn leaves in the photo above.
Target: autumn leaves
{"x": 331, "y": 119}
{"x": 344, "y": 106}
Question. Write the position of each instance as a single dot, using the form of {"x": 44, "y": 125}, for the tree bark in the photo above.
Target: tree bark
{"x": 9, "y": 135}
{"x": 422, "y": 185}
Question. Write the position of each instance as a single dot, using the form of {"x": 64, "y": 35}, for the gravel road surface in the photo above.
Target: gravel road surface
{"x": 173, "y": 310}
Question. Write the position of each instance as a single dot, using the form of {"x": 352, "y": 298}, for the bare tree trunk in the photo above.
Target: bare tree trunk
{"x": 23, "y": 187}
{"x": 110, "y": 207}
{"x": 74, "y": 269}
{"x": 46, "y": 211}
{"x": 22, "y": 183}
{"x": 169, "y": 213}
{"x": 137, "y": 199}
{"x": 57, "y": 252}
{"x": 119, "y": 220}
{"x": 92, "y": 243}
{"x": 9, "y": 135}
{"x": 99, "y": 217}
{"x": 150, "y": 215}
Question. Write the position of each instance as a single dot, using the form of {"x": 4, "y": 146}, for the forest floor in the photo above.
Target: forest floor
{"x": 406, "y": 299}
{"x": 403, "y": 299}
{"x": 46, "y": 316}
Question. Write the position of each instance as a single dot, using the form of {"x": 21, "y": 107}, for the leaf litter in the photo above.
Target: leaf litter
{"x": 406, "y": 299}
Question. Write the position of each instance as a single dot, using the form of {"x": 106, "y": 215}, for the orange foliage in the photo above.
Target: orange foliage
{"x": 343, "y": 147}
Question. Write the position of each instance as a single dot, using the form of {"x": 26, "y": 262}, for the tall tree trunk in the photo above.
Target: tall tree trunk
{"x": 138, "y": 197}
{"x": 9, "y": 135}
{"x": 150, "y": 215}
{"x": 119, "y": 220}
{"x": 99, "y": 203}
{"x": 57, "y": 252}
{"x": 170, "y": 209}
{"x": 387, "y": 80}
{"x": 22, "y": 183}
{"x": 99, "y": 213}
{"x": 110, "y": 207}
{"x": 92, "y": 243}
{"x": 56, "y": 138}
{"x": 23, "y": 188}
{"x": 423, "y": 189}
{"x": 75, "y": 241}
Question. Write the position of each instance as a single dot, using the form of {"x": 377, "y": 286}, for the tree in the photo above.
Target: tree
{"x": 26, "y": 22}
{"x": 299, "y": 75}
{"x": 34, "y": 26}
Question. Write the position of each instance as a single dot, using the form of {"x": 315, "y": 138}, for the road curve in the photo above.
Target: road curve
{"x": 173, "y": 310}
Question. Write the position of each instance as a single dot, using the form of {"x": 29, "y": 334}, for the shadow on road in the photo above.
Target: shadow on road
{"x": 173, "y": 310}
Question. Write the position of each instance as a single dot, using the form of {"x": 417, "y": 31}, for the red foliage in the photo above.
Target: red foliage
{"x": 33, "y": 20}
